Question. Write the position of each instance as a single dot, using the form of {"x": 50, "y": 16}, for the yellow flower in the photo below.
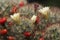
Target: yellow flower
{"x": 16, "y": 17}
{"x": 33, "y": 19}
{"x": 45, "y": 11}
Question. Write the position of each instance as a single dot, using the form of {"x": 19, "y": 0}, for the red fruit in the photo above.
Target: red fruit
{"x": 36, "y": 6}
{"x": 10, "y": 38}
{"x": 21, "y": 4}
{"x": 41, "y": 38}
{"x": 10, "y": 23}
{"x": 14, "y": 9}
{"x": 37, "y": 20}
{"x": 0, "y": 31}
{"x": 27, "y": 34}
{"x": 4, "y": 31}
{"x": 33, "y": 35}
{"x": 43, "y": 33}
{"x": 3, "y": 20}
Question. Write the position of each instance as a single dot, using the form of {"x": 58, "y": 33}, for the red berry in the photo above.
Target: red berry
{"x": 36, "y": 6}
{"x": 43, "y": 32}
{"x": 14, "y": 9}
{"x": 27, "y": 34}
{"x": 37, "y": 20}
{"x": 4, "y": 31}
{"x": 3, "y": 20}
{"x": 33, "y": 35}
{"x": 41, "y": 38}
{"x": 10, "y": 38}
{"x": 10, "y": 23}
{"x": 21, "y": 4}
{"x": 0, "y": 31}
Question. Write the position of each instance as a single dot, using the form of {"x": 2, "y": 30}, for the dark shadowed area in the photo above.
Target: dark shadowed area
{"x": 46, "y": 2}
